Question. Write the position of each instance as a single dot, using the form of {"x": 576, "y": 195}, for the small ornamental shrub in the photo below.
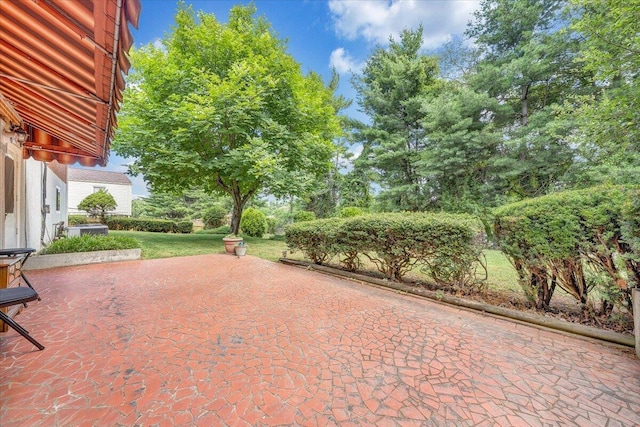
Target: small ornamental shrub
{"x": 98, "y": 204}
{"x": 254, "y": 222}
{"x": 91, "y": 243}
{"x": 214, "y": 216}
{"x": 302, "y": 216}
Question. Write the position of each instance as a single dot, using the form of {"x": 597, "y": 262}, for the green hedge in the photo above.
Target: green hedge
{"x": 445, "y": 245}
{"x": 77, "y": 220}
{"x": 572, "y": 240}
{"x": 91, "y": 243}
{"x": 314, "y": 238}
{"x": 149, "y": 224}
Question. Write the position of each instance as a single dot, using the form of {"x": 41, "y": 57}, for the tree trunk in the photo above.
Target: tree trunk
{"x": 236, "y": 214}
{"x": 239, "y": 202}
{"x": 525, "y": 104}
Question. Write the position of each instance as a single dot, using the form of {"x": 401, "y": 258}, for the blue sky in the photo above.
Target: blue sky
{"x": 321, "y": 34}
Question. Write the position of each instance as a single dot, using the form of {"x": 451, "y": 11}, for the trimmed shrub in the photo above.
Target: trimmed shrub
{"x": 446, "y": 245}
{"x": 395, "y": 243}
{"x": 253, "y": 222}
{"x": 77, "y": 220}
{"x": 91, "y": 243}
{"x": 223, "y": 230}
{"x": 149, "y": 224}
{"x": 566, "y": 239}
{"x": 314, "y": 238}
{"x": 302, "y": 216}
{"x": 184, "y": 227}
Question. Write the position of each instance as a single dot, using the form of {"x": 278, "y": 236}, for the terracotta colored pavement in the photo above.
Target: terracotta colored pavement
{"x": 217, "y": 340}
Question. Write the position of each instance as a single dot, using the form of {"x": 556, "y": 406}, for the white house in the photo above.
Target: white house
{"x": 82, "y": 182}
{"x": 61, "y": 82}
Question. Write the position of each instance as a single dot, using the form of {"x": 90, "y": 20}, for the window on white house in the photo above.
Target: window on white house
{"x": 96, "y": 188}
{"x": 9, "y": 184}
{"x": 58, "y": 199}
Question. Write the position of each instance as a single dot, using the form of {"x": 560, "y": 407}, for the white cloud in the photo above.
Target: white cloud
{"x": 343, "y": 62}
{"x": 375, "y": 20}
{"x": 157, "y": 43}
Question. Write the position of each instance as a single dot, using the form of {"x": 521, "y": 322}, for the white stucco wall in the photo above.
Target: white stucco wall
{"x": 78, "y": 190}
{"x": 33, "y": 201}
{"x": 34, "y": 180}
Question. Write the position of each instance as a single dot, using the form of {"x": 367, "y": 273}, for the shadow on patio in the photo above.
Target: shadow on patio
{"x": 219, "y": 340}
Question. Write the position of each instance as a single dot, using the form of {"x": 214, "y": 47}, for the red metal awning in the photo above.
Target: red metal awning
{"x": 61, "y": 67}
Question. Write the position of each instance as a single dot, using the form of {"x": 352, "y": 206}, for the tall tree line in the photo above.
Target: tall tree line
{"x": 546, "y": 99}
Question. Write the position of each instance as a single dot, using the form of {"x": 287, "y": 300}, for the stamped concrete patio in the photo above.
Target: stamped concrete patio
{"x": 216, "y": 340}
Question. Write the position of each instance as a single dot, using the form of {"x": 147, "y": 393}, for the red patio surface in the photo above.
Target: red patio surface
{"x": 217, "y": 340}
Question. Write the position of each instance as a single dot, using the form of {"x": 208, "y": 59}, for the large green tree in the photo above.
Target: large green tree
{"x": 527, "y": 64}
{"x": 392, "y": 89}
{"x": 226, "y": 108}
{"x": 462, "y": 142}
{"x": 609, "y": 119}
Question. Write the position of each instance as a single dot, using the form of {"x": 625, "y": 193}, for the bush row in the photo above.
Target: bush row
{"x": 149, "y": 224}
{"x": 77, "y": 220}
{"x": 576, "y": 240}
{"x": 446, "y": 245}
{"x": 90, "y": 243}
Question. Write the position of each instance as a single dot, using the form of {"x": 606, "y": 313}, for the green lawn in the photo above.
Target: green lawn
{"x": 501, "y": 275}
{"x": 163, "y": 245}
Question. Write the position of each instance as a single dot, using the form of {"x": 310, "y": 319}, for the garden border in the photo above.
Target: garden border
{"x": 39, "y": 262}
{"x": 531, "y": 319}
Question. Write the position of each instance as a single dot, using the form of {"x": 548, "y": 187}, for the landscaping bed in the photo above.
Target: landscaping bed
{"x": 564, "y": 314}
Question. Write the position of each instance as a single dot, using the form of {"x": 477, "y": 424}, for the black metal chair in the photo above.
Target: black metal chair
{"x": 13, "y": 296}
{"x": 18, "y": 295}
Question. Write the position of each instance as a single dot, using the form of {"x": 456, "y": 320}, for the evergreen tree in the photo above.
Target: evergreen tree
{"x": 528, "y": 66}
{"x": 392, "y": 89}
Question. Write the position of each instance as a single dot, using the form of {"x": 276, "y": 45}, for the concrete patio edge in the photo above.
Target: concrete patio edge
{"x": 38, "y": 262}
{"x": 551, "y": 323}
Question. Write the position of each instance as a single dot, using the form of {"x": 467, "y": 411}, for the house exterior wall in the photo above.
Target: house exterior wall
{"x": 27, "y": 225}
{"x": 42, "y": 210}
{"x": 78, "y": 190}
{"x": 11, "y": 194}
{"x": 33, "y": 200}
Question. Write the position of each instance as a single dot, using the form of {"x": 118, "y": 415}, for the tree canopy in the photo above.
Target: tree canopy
{"x": 541, "y": 97}
{"x": 225, "y": 108}
{"x": 98, "y": 204}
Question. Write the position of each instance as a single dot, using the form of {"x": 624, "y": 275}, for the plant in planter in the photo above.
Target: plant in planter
{"x": 240, "y": 248}
{"x": 230, "y": 242}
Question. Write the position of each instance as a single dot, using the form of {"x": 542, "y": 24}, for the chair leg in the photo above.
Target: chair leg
{"x": 28, "y": 284}
{"x": 19, "y": 329}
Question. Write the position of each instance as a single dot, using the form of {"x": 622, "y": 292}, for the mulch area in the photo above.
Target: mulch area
{"x": 563, "y": 307}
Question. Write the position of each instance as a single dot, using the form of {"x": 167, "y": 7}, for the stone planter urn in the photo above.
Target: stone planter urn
{"x": 240, "y": 249}
{"x": 230, "y": 242}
